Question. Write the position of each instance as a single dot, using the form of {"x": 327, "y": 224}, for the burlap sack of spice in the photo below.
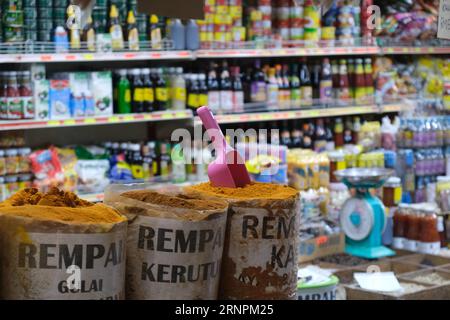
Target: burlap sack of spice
{"x": 175, "y": 244}
{"x": 261, "y": 242}
{"x": 57, "y": 246}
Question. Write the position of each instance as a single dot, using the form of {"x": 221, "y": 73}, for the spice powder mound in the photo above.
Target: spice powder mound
{"x": 57, "y": 205}
{"x": 174, "y": 201}
{"x": 255, "y": 190}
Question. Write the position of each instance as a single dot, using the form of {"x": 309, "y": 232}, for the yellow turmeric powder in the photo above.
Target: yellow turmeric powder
{"x": 255, "y": 190}
{"x": 59, "y": 206}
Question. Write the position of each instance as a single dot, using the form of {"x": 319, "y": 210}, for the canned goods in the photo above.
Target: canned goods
{"x": 13, "y": 18}
{"x": 29, "y": 3}
{"x": 13, "y": 34}
{"x": 30, "y": 35}
{"x": 45, "y": 13}
{"x": 45, "y": 24}
{"x": 30, "y": 24}
{"x": 43, "y": 4}
{"x": 30, "y": 13}
{"x": 61, "y": 3}
{"x": 102, "y": 3}
{"x": 59, "y": 13}
{"x": 59, "y": 22}
{"x": 44, "y": 36}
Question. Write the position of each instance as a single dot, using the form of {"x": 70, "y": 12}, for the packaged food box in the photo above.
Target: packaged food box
{"x": 41, "y": 99}
{"x": 101, "y": 89}
{"x": 59, "y": 95}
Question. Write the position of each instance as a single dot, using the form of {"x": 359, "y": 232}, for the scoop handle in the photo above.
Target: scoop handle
{"x": 210, "y": 123}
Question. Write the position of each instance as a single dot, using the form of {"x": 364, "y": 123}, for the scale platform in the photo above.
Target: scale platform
{"x": 364, "y": 178}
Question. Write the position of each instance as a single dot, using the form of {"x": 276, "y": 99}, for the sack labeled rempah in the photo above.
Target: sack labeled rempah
{"x": 260, "y": 255}
{"x": 56, "y": 246}
{"x": 175, "y": 244}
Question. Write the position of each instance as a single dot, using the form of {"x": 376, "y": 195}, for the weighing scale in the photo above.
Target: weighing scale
{"x": 363, "y": 217}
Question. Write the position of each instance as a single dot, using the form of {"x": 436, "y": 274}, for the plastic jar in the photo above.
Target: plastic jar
{"x": 24, "y": 160}
{"x": 2, "y": 163}
{"x": 11, "y": 161}
{"x": 392, "y": 192}
{"x": 429, "y": 240}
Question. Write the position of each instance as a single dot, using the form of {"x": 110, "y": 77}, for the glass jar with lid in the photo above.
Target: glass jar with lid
{"x": 412, "y": 229}
{"x": 337, "y": 162}
{"x": 429, "y": 240}
{"x": 392, "y": 192}
{"x": 400, "y": 220}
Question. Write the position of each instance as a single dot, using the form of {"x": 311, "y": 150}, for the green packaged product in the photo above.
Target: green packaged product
{"x": 13, "y": 18}
{"x": 13, "y": 34}
{"x": 45, "y": 13}
{"x": 30, "y": 13}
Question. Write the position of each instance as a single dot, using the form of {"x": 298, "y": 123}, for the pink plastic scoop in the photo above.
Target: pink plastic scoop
{"x": 228, "y": 170}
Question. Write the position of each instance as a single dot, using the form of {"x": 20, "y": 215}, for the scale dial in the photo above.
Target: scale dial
{"x": 357, "y": 219}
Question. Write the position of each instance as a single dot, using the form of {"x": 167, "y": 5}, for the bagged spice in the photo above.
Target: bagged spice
{"x": 175, "y": 243}
{"x": 261, "y": 242}
{"x": 57, "y": 246}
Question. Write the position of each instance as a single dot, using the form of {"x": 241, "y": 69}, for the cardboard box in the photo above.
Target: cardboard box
{"x": 182, "y": 9}
{"x": 321, "y": 246}
{"x": 41, "y": 99}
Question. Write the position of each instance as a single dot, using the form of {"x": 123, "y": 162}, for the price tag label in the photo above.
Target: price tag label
{"x": 114, "y": 119}
{"x": 69, "y": 122}
{"x": 444, "y": 20}
{"x": 53, "y": 123}
{"x": 90, "y": 121}
{"x": 180, "y": 115}
{"x": 128, "y": 118}
{"x": 88, "y": 56}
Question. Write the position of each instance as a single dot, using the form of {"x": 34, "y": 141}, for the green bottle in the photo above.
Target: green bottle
{"x": 124, "y": 93}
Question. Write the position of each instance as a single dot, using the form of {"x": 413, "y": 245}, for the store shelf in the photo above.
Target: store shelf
{"x": 116, "y": 119}
{"x": 287, "y": 52}
{"x": 97, "y": 57}
{"x": 414, "y": 50}
{"x": 219, "y": 53}
{"x": 303, "y": 114}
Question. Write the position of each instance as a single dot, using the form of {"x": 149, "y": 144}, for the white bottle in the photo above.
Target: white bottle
{"x": 178, "y": 90}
